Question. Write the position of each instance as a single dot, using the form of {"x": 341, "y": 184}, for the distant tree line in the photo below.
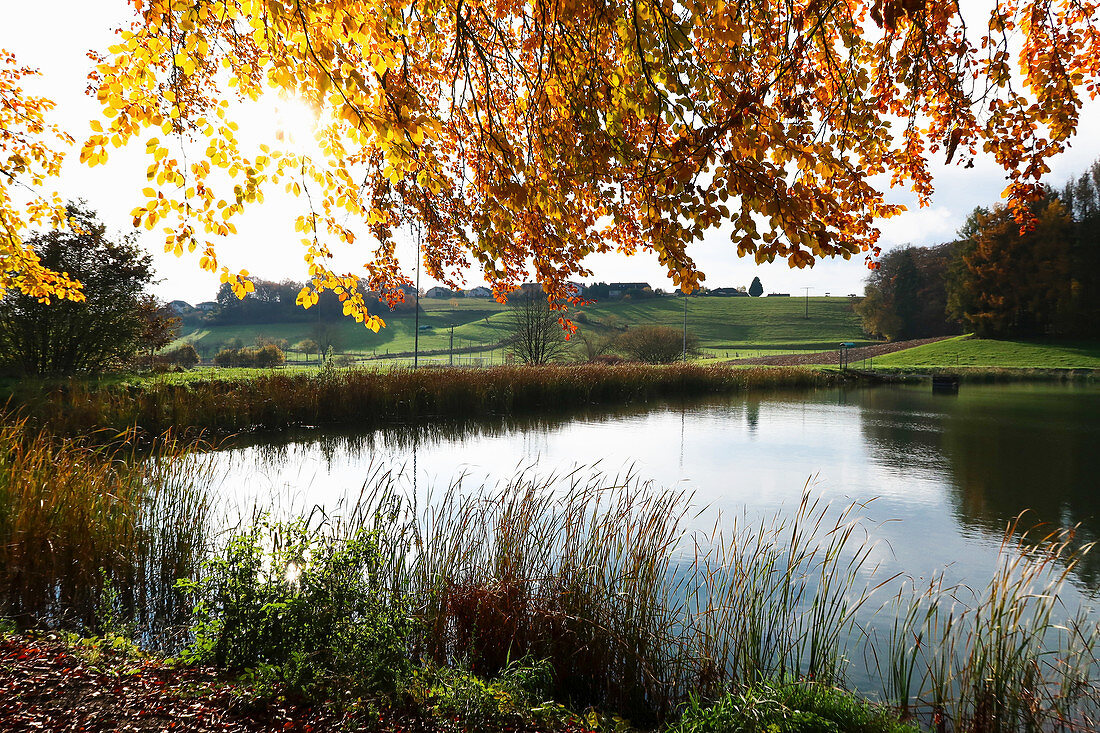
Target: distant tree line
{"x": 276, "y": 302}
{"x": 996, "y": 280}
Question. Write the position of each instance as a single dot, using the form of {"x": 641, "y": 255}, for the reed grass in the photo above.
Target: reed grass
{"x": 94, "y": 536}
{"x": 365, "y": 397}
{"x": 1006, "y": 656}
{"x": 635, "y": 614}
{"x": 600, "y": 577}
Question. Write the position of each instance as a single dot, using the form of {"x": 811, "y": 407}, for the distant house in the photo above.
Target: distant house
{"x": 180, "y": 307}
{"x": 527, "y": 288}
{"x": 729, "y": 292}
{"x": 779, "y": 295}
{"x": 618, "y": 290}
{"x": 207, "y": 306}
{"x": 439, "y": 292}
{"x": 479, "y": 292}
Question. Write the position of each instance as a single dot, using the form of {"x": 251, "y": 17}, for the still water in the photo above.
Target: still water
{"x": 941, "y": 474}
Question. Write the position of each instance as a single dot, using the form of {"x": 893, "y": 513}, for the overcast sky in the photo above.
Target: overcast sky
{"x": 54, "y": 36}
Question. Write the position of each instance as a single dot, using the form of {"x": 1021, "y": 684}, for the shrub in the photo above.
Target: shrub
{"x": 269, "y": 356}
{"x": 305, "y": 608}
{"x": 656, "y": 344}
{"x": 185, "y": 356}
{"x": 245, "y": 358}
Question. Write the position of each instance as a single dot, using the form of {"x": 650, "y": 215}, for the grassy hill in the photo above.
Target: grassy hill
{"x": 720, "y": 323}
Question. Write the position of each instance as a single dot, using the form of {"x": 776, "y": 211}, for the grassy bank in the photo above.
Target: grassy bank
{"x": 964, "y": 353}
{"x": 279, "y": 399}
{"x": 505, "y": 607}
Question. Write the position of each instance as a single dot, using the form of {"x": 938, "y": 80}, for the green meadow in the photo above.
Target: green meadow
{"x": 966, "y": 352}
{"x": 721, "y": 324}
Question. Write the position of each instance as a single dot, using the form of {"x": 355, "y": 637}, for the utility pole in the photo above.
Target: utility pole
{"x": 416, "y": 320}
{"x": 452, "y": 344}
{"x": 685, "y": 327}
{"x": 807, "y": 301}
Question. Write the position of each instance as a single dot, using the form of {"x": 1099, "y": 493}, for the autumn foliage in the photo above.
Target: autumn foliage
{"x": 27, "y": 160}
{"x": 522, "y": 137}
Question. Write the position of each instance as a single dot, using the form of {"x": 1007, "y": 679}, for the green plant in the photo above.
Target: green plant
{"x": 8, "y": 627}
{"x": 461, "y": 701}
{"x": 302, "y": 605}
{"x": 794, "y": 707}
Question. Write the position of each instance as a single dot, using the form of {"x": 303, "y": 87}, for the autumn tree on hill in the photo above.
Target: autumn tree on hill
{"x": 906, "y": 295}
{"x": 526, "y": 136}
{"x": 1016, "y": 284}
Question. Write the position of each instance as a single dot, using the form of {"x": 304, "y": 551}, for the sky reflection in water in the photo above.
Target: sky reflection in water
{"x": 952, "y": 470}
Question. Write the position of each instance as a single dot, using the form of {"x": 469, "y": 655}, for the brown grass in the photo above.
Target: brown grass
{"x": 362, "y": 398}
{"x": 93, "y": 536}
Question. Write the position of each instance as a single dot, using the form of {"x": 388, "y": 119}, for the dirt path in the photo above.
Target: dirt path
{"x": 830, "y": 357}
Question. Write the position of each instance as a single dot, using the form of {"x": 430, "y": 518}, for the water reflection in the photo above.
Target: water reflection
{"x": 1001, "y": 451}
{"x": 953, "y": 469}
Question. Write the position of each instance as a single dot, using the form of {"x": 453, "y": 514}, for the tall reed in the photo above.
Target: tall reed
{"x": 365, "y": 397}
{"x": 603, "y": 578}
{"x": 93, "y": 535}
{"x": 600, "y": 576}
{"x": 1005, "y": 656}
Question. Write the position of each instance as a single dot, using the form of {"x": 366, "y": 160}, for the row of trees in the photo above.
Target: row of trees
{"x": 276, "y": 302}
{"x": 995, "y": 279}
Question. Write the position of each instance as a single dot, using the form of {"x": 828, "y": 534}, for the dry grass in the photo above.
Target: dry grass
{"x": 363, "y": 397}
{"x": 92, "y": 536}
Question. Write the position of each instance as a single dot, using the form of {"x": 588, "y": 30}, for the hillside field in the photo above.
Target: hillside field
{"x": 987, "y": 353}
{"x": 764, "y": 325}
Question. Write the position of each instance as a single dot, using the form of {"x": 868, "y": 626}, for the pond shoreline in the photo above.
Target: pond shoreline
{"x": 277, "y": 400}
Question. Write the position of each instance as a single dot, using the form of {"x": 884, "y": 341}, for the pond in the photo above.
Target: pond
{"x": 941, "y": 475}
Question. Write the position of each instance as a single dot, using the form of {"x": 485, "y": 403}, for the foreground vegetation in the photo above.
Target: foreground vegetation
{"x": 508, "y": 607}
{"x": 280, "y": 399}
